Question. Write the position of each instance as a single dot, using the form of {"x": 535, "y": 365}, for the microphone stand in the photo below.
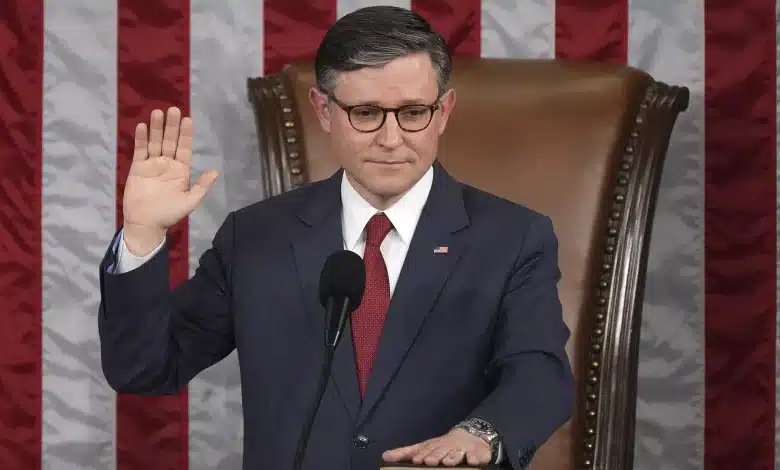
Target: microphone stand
{"x": 333, "y": 328}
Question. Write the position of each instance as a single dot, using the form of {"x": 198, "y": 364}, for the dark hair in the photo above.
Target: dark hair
{"x": 374, "y": 36}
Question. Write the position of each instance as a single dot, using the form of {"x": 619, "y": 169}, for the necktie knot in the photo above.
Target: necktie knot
{"x": 377, "y": 229}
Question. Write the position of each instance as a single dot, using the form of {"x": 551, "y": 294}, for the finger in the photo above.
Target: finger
{"x": 184, "y": 147}
{"x": 140, "y": 152}
{"x": 401, "y": 453}
{"x": 200, "y": 188}
{"x": 155, "y": 134}
{"x": 478, "y": 457}
{"x": 171, "y": 134}
{"x": 424, "y": 450}
{"x": 453, "y": 457}
{"x": 435, "y": 455}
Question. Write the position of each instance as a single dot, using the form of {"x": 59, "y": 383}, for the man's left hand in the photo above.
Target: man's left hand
{"x": 452, "y": 449}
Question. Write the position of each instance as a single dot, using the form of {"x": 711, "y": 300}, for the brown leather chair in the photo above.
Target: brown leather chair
{"x": 581, "y": 142}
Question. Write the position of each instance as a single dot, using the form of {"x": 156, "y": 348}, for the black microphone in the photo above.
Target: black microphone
{"x": 342, "y": 283}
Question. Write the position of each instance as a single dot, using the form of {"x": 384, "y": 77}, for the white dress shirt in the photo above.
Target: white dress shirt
{"x": 404, "y": 215}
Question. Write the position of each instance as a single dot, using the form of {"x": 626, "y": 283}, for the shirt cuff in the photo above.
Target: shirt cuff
{"x": 126, "y": 261}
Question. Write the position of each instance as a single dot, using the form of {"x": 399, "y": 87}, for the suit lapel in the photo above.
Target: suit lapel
{"x": 422, "y": 278}
{"x": 320, "y": 235}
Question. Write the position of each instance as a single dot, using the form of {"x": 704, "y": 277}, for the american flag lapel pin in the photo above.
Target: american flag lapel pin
{"x": 441, "y": 249}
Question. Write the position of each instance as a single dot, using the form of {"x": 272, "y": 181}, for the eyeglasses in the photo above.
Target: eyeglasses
{"x": 369, "y": 118}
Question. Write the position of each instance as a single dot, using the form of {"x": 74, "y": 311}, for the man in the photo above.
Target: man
{"x": 461, "y": 285}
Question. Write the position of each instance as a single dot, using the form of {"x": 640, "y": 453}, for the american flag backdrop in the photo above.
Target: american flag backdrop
{"x": 77, "y": 75}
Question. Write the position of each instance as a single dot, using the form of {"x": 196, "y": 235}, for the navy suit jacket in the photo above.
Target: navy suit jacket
{"x": 476, "y": 331}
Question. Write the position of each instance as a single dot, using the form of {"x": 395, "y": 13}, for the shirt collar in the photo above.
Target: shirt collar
{"x": 404, "y": 214}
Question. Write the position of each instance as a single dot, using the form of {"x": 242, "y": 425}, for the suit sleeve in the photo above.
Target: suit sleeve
{"x": 154, "y": 340}
{"x": 534, "y": 392}
{"x": 127, "y": 261}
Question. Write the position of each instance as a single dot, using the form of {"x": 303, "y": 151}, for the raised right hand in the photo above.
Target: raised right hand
{"x": 158, "y": 192}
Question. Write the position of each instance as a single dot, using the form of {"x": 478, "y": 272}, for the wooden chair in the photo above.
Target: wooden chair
{"x": 581, "y": 142}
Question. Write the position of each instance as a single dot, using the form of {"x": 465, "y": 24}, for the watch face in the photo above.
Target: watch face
{"x": 483, "y": 426}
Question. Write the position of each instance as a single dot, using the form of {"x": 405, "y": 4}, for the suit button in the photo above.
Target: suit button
{"x": 360, "y": 441}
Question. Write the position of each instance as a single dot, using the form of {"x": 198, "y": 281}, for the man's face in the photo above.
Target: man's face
{"x": 384, "y": 163}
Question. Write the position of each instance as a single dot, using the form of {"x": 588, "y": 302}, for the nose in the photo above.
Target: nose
{"x": 390, "y": 133}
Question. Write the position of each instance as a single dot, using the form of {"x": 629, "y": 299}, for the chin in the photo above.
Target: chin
{"x": 386, "y": 183}
{"x": 391, "y": 189}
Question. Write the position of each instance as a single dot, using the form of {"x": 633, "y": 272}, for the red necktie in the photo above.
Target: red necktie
{"x": 368, "y": 319}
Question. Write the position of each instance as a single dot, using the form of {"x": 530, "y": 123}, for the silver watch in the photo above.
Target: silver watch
{"x": 484, "y": 430}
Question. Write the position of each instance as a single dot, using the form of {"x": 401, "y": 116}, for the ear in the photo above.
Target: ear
{"x": 447, "y": 104}
{"x": 321, "y": 105}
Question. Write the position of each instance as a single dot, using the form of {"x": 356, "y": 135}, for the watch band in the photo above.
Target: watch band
{"x": 484, "y": 430}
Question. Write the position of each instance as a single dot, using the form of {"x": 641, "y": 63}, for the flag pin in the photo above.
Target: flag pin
{"x": 441, "y": 249}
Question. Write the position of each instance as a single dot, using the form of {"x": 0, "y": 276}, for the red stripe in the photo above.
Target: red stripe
{"x": 293, "y": 30}
{"x": 459, "y": 21}
{"x": 592, "y": 30}
{"x": 21, "y": 160}
{"x": 740, "y": 234}
{"x": 153, "y": 42}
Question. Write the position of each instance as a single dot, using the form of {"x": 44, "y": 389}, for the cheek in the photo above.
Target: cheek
{"x": 348, "y": 139}
{"x": 424, "y": 144}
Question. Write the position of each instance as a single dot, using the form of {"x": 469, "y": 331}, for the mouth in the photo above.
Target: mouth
{"x": 386, "y": 163}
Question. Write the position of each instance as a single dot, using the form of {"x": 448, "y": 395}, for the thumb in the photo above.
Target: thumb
{"x": 199, "y": 189}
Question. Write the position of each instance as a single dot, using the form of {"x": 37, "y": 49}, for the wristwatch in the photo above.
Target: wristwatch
{"x": 484, "y": 430}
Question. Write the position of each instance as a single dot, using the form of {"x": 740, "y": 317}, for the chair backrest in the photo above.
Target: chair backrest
{"x": 581, "y": 142}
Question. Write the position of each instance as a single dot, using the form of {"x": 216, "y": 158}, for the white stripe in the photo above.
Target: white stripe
{"x": 777, "y": 276}
{"x": 667, "y": 40}
{"x": 79, "y": 167}
{"x": 226, "y": 45}
{"x": 519, "y": 29}
{"x": 348, "y": 6}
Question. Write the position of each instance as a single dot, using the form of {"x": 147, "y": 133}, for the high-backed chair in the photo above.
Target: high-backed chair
{"x": 581, "y": 142}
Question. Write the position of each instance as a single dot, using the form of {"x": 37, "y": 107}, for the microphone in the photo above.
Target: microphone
{"x": 342, "y": 283}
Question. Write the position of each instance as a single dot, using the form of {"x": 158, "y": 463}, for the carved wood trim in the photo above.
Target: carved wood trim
{"x": 609, "y": 383}
{"x": 278, "y": 125}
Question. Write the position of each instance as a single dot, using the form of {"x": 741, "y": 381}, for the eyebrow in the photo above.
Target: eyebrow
{"x": 405, "y": 102}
